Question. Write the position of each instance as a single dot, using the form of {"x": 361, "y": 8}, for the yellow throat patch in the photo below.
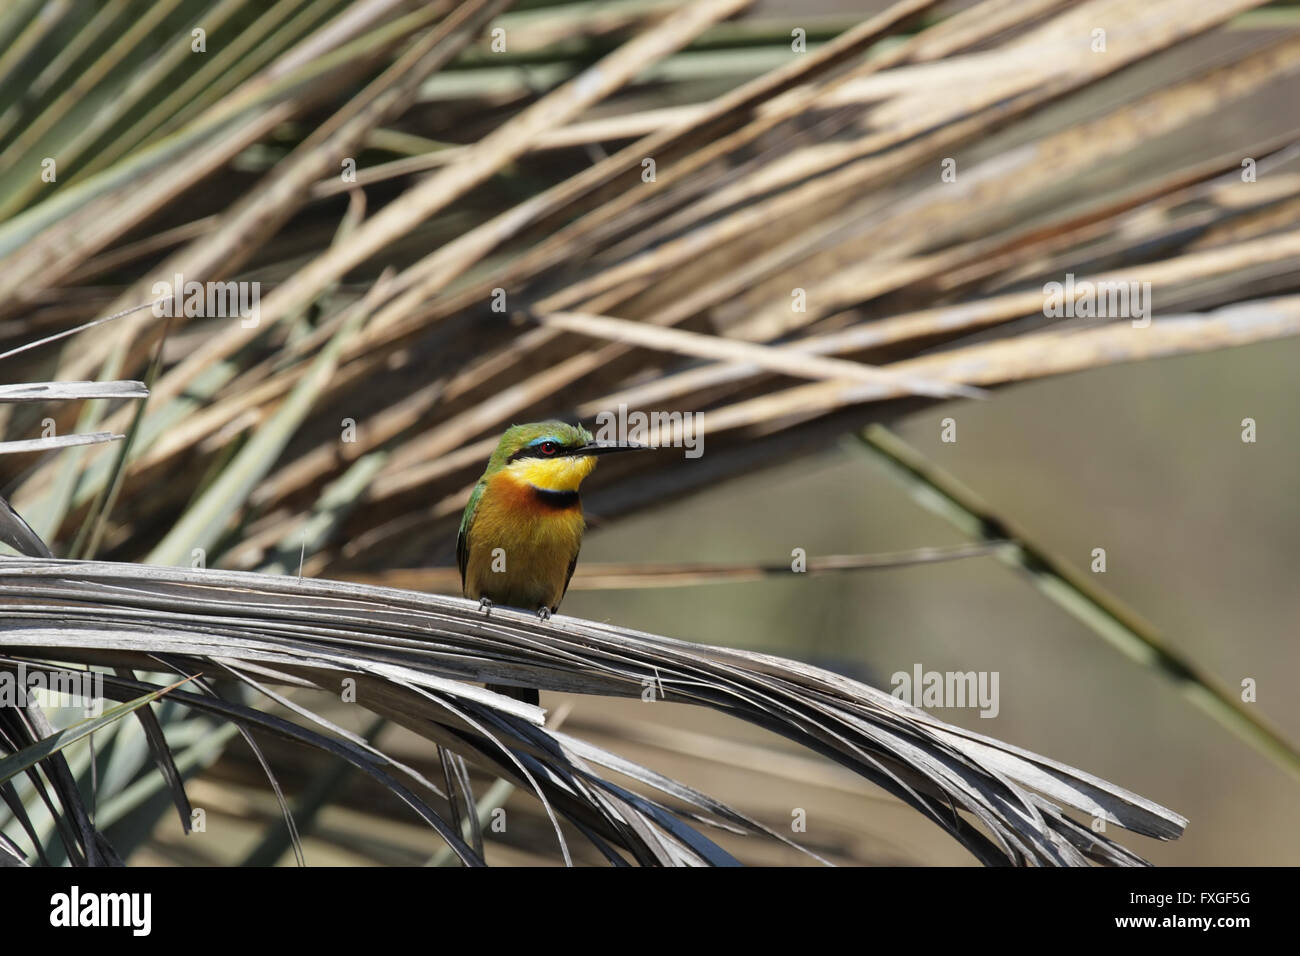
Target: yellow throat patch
{"x": 552, "y": 474}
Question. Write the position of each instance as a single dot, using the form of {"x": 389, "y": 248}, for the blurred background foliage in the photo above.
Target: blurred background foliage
{"x": 225, "y": 165}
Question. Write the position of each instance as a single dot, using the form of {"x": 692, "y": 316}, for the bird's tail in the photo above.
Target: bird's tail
{"x": 529, "y": 695}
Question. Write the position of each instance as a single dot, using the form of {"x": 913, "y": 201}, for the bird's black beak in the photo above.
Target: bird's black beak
{"x": 606, "y": 448}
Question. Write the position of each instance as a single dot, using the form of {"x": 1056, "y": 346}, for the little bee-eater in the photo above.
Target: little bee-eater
{"x": 522, "y": 528}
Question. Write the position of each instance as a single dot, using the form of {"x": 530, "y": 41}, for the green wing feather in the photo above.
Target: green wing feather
{"x": 462, "y": 539}
{"x": 567, "y": 578}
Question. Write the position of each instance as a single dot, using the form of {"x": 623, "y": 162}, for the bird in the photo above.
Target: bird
{"x": 522, "y": 528}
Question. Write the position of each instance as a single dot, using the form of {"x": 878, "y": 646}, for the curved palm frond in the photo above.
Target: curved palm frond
{"x": 411, "y": 654}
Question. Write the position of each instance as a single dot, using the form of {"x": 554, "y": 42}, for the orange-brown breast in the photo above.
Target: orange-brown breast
{"x": 521, "y": 545}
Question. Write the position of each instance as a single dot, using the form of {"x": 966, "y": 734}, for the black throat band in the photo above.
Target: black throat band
{"x": 559, "y": 500}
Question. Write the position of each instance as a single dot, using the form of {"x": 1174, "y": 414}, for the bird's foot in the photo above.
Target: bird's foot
{"x": 543, "y": 613}
{"x": 485, "y": 606}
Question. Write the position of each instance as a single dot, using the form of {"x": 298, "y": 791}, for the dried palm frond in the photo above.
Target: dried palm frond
{"x": 820, "y": 175}
{"x": 409, "y": 655}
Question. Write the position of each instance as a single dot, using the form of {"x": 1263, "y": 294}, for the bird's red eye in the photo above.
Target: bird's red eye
{"x": 548, "y": 448}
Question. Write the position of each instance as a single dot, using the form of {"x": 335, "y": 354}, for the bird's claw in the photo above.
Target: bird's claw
{"x": 543, "y": 613}
{"x": 485, "y": 606}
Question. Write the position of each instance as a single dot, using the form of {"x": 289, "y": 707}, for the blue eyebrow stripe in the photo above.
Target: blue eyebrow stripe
{"x": 545, "y": 438}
